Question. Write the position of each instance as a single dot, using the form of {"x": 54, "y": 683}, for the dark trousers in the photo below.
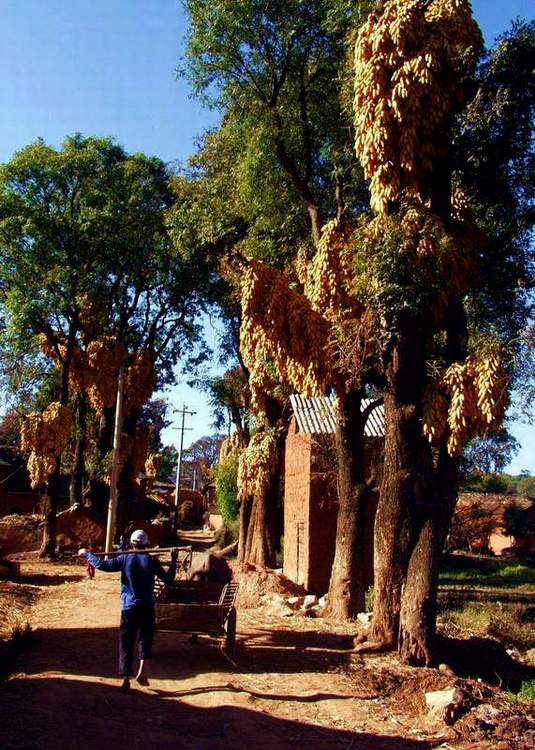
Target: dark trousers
{"x": 137, "y": 621}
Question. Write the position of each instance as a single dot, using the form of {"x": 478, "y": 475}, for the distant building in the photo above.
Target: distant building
{"x": 493, "y": 523}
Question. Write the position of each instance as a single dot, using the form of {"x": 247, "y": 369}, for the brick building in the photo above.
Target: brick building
{"x": 310, "y": 491}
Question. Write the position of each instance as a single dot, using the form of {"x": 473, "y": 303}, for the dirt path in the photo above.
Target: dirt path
{"x": 291, "y": 689}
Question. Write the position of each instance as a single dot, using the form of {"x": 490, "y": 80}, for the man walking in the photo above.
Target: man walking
{"x": 138, "y": 570}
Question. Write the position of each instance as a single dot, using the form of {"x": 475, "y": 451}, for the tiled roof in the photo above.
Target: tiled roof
{"x": 318, "y": 416}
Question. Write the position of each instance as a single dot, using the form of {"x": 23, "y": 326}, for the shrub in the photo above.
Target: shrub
{"x": 526, "y": 487}
{"x": 526, "y": 693}
{"x": 226, "y": 488}
{"x": 494, "y": 483}
{"x": 228, "y": 534}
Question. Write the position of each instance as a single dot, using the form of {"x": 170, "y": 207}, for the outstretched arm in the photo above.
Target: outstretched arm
{"x": 111, "y": 565}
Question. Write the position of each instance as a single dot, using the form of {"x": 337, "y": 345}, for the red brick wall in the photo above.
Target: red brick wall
{"x": 311, "y": 507}
{"x": 296, "y": 504}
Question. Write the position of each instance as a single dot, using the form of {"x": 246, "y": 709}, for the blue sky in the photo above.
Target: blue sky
{"x": 107, "y": 67}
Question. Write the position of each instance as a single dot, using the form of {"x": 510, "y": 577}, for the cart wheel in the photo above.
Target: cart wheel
{"x": 230, "y": 639}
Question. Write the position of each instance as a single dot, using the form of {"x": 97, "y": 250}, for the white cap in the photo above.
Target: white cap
{"x": 139, "y": 536}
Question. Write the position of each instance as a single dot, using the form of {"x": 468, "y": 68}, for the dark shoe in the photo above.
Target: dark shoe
{"x": 125, "y": 686}
{"x": 142, "y": 680}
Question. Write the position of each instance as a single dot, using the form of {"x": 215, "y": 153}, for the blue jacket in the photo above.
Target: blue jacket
{"x": 138, "y": 571}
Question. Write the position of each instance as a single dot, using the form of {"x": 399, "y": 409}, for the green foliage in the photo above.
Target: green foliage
{"x": 82, "y": 228}
{"x": 276, "y": 71}
{"x": 494, "y": 161}
{"x": 229, "y": 399}
{"x": 494, "y": 484}
{"x": 526, "y": 693}
{"x": 509, "y": 623}
{"x": 488, "y": 483}
{"x": 526, "y": 487}
{"x": 485, "y": 573}
{"x": 226, "y": 485}
{"x": 516, "y": 521}
{"x": 390, "y": 279}
{"x": 169, "y": 459}
{"x": 228, "y": 534}
{"x": 491, "y": 454}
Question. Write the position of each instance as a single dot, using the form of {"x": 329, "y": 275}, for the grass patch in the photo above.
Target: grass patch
{"x": 526, "y": 693}
{"x": 512, "y": 624}
{"x": 460, "y": 570}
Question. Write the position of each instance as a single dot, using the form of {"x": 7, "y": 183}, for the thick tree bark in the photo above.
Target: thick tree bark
{"x": 245, "y": 517}
{"x": 261, "y": 545}
{"x": 128, "y": 488}
{"x": 262, "y": 531}
{"x": 405, "y": 476}
{"x": 419, "y": 605}
{"x": 53, "y": 491}
{"x": 48, "y": 542}
{"x": 98, "y": 490}
{"x": 347, "y": 588}
{"x": 78, "y": 463}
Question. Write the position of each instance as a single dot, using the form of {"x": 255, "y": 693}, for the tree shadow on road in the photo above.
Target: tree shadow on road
{"x": 93, "y": 652}
{"x": 76, "y": 714}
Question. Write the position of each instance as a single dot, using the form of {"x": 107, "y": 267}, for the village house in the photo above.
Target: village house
{"x": 493, "y": 524}
{"x": 310, "y": 489}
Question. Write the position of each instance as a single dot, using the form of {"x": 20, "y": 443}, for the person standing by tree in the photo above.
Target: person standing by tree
{"x": 138, "y": 571}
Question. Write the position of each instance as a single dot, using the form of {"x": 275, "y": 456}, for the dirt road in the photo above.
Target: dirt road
{"x": 65, "y": 694}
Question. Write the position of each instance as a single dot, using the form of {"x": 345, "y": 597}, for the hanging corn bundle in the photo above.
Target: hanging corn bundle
{"x": 330, "y": 274}
{"x": 44, "y": 437}
{"x": 104, "y": 357}
{"x": 408, "y": 62}
{"x": 282, "y": 337}
{"x": 140, "y": 448}
{"x": 257, "y": 464}
{"x": 468, "y": 400}
{"x": 232, "y": 445}
{"x": 139, "y": 381}
{"x": 153, "y": 464}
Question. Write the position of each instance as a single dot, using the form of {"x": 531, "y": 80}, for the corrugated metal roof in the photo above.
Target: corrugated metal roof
{"x": 318, "y": 416}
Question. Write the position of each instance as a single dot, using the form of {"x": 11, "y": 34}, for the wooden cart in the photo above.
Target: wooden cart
{"x": 198, "y": 608}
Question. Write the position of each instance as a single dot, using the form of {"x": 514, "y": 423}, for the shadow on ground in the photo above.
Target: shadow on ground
{"x": 486, "y": 659}
{"x": 77, "y": 715}
{"x": 93, "y": 651}
{"x": 49, "y": 579}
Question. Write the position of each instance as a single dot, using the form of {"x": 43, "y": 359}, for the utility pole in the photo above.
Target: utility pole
{"x": 112, "y": 505}
{"x": 184, "y": 411}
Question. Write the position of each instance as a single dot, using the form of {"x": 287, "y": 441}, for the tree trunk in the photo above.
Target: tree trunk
{"x": 98, "y": 490}
{"x": 260, "y": 548}
{"x": 48, "y": 542}
{"x": 419, "y": 605}
{"x": 316, "y": 221}
{"x": 263, "y": 525}
{"x": 404, "y": 477}
{"x": 78, "y": 463}
{"x": 347, "y": 588}
{"x": 245, "y": 517}
{"x": 128, "y": 488}
{"x": 53, "y": 492}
